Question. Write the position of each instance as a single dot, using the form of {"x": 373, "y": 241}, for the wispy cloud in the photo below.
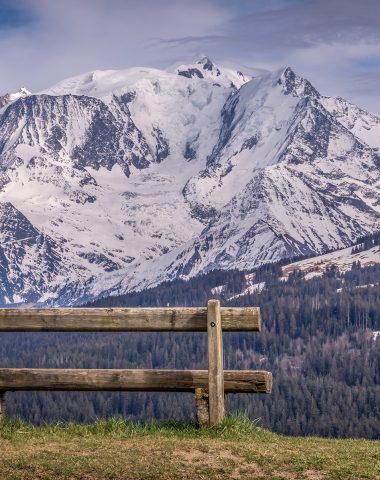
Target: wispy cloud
{"x": 335, "y": 43}
{"x": 66, "y": 38}
{"x": 190, "y": 39}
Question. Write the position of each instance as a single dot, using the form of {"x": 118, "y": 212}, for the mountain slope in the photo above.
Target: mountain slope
{"x": 138, "y": 176}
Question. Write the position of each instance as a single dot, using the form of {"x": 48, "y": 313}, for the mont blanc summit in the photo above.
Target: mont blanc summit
{"x": 113, "y": 181}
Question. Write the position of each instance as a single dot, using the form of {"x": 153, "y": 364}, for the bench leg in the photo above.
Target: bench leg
{"x": 215, "y": 363}
{"x": 2, "y": 405}
{"x": 201, "y": 403}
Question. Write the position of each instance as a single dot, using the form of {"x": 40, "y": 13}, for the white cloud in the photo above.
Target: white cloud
{"x": 334, "y": 43}
{"x": 74, "y": 36}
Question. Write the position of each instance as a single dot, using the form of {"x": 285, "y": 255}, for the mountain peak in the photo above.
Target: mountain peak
{"x": 24, "y": 91}
{"x": 206, "y": 63}
{"x": 294, "y": 84}
{"x": 206, "y": 69}
{"x": 11, "y": 97}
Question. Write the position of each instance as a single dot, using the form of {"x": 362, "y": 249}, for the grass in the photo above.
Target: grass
{"x": 120, "y": 449}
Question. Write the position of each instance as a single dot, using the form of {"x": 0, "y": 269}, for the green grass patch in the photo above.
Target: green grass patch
{"x": 121, "y": 449}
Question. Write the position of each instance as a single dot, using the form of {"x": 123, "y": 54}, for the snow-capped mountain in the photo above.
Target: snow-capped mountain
{"x": 117, "y": 180}
{"x": 206, "y": 69}
{"x": 11, "y": 97}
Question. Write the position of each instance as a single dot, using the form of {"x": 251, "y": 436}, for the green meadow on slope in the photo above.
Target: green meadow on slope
{"x": 119, "y": 449}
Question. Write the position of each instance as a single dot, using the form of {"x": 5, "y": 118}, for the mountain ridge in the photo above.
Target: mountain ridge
{"x": 139, "y": 176}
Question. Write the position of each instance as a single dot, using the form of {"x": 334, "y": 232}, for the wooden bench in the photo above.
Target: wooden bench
{"x": 209, "y": 385}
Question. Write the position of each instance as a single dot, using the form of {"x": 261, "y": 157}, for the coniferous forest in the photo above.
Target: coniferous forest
{"x": 318, "y": 340}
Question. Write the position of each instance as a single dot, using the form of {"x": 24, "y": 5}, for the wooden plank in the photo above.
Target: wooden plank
{"x": 246, "y": 381}
{"x": 124, "y": 319}
{"x": 215, "y": 363}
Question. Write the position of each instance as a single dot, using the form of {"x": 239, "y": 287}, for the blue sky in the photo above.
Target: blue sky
{"x": 333, "y": 43}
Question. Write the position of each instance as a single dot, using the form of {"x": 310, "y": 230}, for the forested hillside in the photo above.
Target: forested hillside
{"x": 318, "y": 340}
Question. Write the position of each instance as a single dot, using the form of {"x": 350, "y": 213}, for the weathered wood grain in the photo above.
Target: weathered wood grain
{"x": 13, "y": 379}
{"x": 124, "y": 319}
{"x": 215, "y": 363}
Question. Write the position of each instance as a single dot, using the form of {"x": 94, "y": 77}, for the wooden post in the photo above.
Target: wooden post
{"x": 2, "y": 405}
{"x": 201, "y": 403}
{"x": 215, "y": 363}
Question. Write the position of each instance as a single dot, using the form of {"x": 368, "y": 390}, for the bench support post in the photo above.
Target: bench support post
{"x": 201, "y": 403}
{"x": 215, "y": 363}
{"x": 2, "y": 405}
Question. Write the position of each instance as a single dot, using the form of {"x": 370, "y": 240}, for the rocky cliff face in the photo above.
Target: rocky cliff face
{"x": 117, "y": 180}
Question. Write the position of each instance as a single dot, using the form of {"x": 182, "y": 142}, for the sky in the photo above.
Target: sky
{"x": 333, "y": 43}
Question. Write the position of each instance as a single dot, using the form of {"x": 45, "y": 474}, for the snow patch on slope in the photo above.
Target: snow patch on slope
{"x": 341, "y": 259}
